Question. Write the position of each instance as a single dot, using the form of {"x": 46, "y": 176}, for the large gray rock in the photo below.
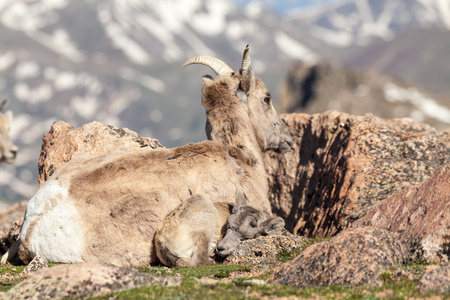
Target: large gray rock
{"x": 83, "y": 280}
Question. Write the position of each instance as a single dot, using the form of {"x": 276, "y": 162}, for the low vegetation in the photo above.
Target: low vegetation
{"x": 244, "y": 282}
{"x": 227, "y": 286}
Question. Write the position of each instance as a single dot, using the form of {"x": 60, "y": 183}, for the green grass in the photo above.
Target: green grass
{"x": 216, "y": 271}
{"x": 243, "y": 288}
{"x": 7, "y": 284}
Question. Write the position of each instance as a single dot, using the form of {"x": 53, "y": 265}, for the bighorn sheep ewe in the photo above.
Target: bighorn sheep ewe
{"x": 107, "y": 208}
{"x": 8, "y": 150}
{"x": 189, "y": 235}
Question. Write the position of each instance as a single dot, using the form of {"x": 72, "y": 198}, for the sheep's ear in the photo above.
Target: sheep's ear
{"x": 272, "y": 226}
{"x": 247, "y": 84}
{"x": 207, "y": 80}
{"x": 241, "y": 200}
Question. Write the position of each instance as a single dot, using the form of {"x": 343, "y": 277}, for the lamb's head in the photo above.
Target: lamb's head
{"x": 8, "y": 150}
{"x": 246, "y": 222}
{"x": 239, "y": 107}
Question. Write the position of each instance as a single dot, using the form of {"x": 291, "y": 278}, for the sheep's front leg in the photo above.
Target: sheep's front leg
{"x": 200, "y": 254}
{"x": 183, "y": 262}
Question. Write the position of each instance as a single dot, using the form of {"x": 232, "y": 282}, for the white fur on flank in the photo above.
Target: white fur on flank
{"x": 56, "y": 232}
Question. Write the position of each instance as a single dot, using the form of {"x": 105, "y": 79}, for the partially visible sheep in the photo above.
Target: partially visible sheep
{"x": 189, "y": 234}
{"x": 8, "y": 151}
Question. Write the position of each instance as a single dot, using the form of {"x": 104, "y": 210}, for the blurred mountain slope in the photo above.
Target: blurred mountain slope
{"x": 119, "y": 62}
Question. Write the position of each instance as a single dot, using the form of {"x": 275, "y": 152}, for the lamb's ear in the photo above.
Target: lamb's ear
{"x": 247, "y": 84}
{"x": 272, "y": 226}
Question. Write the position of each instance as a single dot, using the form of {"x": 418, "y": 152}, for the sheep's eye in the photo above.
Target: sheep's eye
{"x": 253, "y": 223}
{"x": 267, "y": 100}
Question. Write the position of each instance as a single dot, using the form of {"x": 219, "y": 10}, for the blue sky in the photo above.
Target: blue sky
{"x": 284, "y": 6}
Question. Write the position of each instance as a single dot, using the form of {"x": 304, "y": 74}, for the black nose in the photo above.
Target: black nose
{"x": 14, "y": 152}
{"x": 219, "y": 249}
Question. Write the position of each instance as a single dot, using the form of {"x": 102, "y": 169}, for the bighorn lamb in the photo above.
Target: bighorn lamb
{"x": 189, "y": 235}
{"x": 107, "y": 208}
{"x": 8, "y": 150}
{"x": 246, "y": 222}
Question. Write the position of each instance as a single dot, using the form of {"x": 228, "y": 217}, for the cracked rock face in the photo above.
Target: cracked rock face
{"x": 353, "y": 257}
{"x": 83, "y": 280}
{"x": 421, "y": 215}
{"x": 342, "y": 166}
{"x": 63, "y": 142}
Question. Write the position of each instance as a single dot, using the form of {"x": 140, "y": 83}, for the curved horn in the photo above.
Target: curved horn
{"x": 217, "y": 65}
{"x": 246, "y": 60}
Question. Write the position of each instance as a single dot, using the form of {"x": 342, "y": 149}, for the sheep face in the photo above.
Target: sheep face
{"x": 245, "y": 222}
{"x": 273, "y": 133}
{"x": 239, "y": 107}
{"x": 8, "y": 150}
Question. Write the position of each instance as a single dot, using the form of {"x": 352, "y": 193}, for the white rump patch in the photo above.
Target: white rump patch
{"x": 54, "y": 226}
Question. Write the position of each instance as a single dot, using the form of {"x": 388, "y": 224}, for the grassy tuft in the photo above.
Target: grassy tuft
{"x": 7, "y": 283}
{"x": 217, "y": 271}
{"x": 286, "y": 255}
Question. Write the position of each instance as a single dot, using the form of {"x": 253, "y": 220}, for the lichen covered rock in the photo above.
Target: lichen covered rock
{"x": 421, "y": 216}
{"x": 265, "y": 250}
{"x": 343, "y": 165}
{"x": 63, "y": 141}
{"x": 353, "y": 257}
{"x": 83, "y": 280}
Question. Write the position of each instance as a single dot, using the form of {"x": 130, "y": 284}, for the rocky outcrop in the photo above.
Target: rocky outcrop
{"x": 436, "y": 279}
{"x": 63, "y": 142}
{"x": 421, "y": 214}
{"x": 10, "y": 237}
{"x": 411, "y": 225}
{"x": 353, "y": 257}
{"x": 325, "y": 86}
{"x": 83, "y": 280}
{"x": 342, "y": 166}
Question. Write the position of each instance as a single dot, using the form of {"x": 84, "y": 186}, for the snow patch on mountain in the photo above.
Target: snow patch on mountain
{"x": 213, "y": 21}
{"x": 26, "y": 69}
{"x": 359, "y": 22}
{"x": 294, "y": 49}
{"x": 6, "y": 60}
{"x": 144, "y": 80}
{"x": 120, "y": 37}
{"x": 425, "y": 105}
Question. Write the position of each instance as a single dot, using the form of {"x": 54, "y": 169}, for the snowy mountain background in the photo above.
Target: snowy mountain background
{"x": 119, "y": 62}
